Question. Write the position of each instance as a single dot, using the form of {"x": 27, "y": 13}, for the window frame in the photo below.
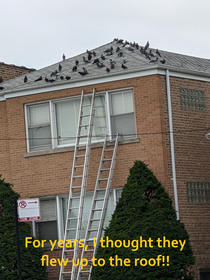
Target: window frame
{"x": 59, "y": 212}
{"x": 53, "y": 124}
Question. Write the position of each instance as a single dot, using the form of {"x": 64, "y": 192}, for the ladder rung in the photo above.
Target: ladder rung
{"x": 69, "y": 250}
{"x": 78, "y": 166}
{"x": 94, "y": 220}
{"x": 73, "y": 218}
{"x": 83, "y": 136}
{"x": 86, "y": 105}
{"x": 98, "y": 209}
{"x": 84, "y": 125}
{"x": 79, "y": 176}
{"x": 105, "y": 179}
{"x": 73, "y": 208}
{"x": 108, "y": 150}
{"x": 80, "y": 156}
{"x": 99, "y": 199}
{"x": 69, "y": 229}
{"x": 76, "y": 188}
{"x": 85, "y": 116}
{"x": 86, "y": 271}
{"x": 66, "y": 272}
{"x": 106, "y": 159}
{"x": 95, "y": 229}
{"x": 107, "y": 169}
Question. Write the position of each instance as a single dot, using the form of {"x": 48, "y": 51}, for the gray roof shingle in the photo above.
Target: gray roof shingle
{"x": 135, "y": 61}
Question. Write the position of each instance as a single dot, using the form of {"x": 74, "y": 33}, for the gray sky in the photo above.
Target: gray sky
{"x": 36, "y": 33}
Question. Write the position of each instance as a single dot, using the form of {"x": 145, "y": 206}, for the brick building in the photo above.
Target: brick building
{"x": 137, "y": 91}
{"x": 10, "y": 71}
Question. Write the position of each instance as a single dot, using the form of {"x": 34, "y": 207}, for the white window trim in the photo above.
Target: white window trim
{"x": 52, "y": 103}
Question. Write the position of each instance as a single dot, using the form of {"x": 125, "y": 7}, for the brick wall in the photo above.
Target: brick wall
{"x": 9, "y": 71}
{"x": 50, "y": 174}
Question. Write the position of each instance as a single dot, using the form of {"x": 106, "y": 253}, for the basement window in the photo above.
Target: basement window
{"x": 53, "y": 124}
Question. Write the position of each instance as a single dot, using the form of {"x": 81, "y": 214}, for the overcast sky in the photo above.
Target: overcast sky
{"x": 36, "y": 33}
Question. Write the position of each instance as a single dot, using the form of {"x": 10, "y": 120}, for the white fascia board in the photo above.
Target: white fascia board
{"x": 87, "y": 82}
{"x": 189, "y": 76}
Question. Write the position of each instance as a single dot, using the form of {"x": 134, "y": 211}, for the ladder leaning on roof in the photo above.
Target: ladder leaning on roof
{"x": 99, "y": 204}
{"x": 77, "y": 186}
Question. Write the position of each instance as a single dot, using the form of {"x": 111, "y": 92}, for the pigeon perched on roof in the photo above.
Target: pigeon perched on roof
{"x": 158, "y": 53}
{"x": 68, "y": 78}
{"x": 146, "y": 46}
{"x": 85, "y": 72}
{"x": 124, "y": 67}
{"x": 1, "y": 80}
{"x": 1, "y": 88}
{"x": 163, "y": 61}
{"x": 103, "y": 57}
{"x": 107, "y": 70}
{"x": 154, "y": 60}
{"x": 74, "y": 69}
{"x": 25, "y": 79}
{"x": 59, "y": 67}
{"x": 38, "y": 79}
{"x": 85, "y": 60}
{"x": 64, "y": 57}
{"x": 76, "y": 62}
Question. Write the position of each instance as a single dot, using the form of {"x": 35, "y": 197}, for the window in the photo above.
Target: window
{"x": 46, "y": 228}
{"x": 198, "y": 192}
{"x": 192, "y": 99}
{"x": 53, "y": 216}
{"x": 53, "y": 124}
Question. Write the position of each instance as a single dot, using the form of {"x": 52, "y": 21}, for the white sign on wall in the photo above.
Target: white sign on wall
{"x": 28, "y": 209}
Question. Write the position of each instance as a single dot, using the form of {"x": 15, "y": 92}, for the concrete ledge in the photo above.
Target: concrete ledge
{"x": 127, "y": 140}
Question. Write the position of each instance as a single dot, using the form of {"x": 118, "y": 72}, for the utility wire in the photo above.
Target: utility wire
{"x": 112, "y": 135}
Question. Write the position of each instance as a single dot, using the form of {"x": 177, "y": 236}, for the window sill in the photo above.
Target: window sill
{"x": 127, "y": 140}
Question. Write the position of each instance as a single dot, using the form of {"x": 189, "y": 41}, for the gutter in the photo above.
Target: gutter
{"x": 172, "y": 144}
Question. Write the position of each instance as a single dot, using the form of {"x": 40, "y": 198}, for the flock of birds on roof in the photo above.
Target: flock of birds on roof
{"x": 152, "y": 56}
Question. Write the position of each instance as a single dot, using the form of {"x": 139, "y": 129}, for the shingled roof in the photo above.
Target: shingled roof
{"x": 126, "y": 58}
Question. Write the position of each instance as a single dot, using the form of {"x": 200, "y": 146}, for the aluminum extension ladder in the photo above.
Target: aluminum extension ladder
{"x": 99, "y": 205}
{"x": 77, "y": 186}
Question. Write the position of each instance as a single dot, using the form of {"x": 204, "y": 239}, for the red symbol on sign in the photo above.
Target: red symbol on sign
{"x": 22, "y": 204}
{"x": 33, "y": 202}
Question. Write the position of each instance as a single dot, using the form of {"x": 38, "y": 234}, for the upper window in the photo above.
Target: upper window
{"x": 53, "y": 124}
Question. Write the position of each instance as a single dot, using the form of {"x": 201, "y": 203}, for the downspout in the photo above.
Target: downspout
{"x": 172, "y": 143}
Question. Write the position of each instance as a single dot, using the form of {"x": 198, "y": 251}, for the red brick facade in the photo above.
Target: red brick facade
{"x": 9, "y": 71}
{"x": 49, "y": 174}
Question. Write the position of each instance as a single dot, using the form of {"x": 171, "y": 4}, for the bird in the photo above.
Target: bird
{"x": 107, "y": 70}
{"x": 163, "y": 61}
{"x": 154, "y": 60}
{"x": 83, "y": 73}
{"x": 74, "y": 69}
{"x": 46, "y": 80}
{"x": 94, "y": 54}
{"x": 68, "y": 78}
{"x": 89, "y": 56}
{"x": 1, "y": 80}
{"x": 109, "y": 50}
{"x": 54, "y": 73}
{"x": 85, "y": 60}
{"x": 64, "y": 57}
{"x": 146, "y": 46}
{"x": 88, "y": 52}
{"x": 51, "y": 80}
{"x": 110, "y": 53}
{"x": 151, "y": 54}
{"x": 1, "y": 88}
{"x": 39, "y": 79}
{"x": 100, "y": 65}
{"x": 96, "y": 60}
{"x": 137, "y": 46}
{"x": 25, "y": 79}
{"x": 103, "y": 57}
{"x": 158, "y": 53}
{"x": 59, "y": 67}
{"x": 120, "y": 41}
{"x": 118, "y": 49}
{"x": 120, "y": 54}
{"x": 124, "y": 67}
{"x": 61, "y": 77}
{"x": 76, "y": 62}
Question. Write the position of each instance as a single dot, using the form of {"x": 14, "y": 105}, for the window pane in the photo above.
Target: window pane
{"x": 123, "y": 124}
{"x": 122, "y": 102}
{"x": 67, "y": 113}
{"x": 86, "y": 213}
{"x": 39, "y": 114}
{"x": 40, "y": 137}
{"x": 67, "y": 120}
{"x": 48, "y": 210}
{"x": 47, "y": 231}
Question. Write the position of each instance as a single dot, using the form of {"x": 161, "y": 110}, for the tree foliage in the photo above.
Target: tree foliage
{"x": 30, "y": 256}
{"x": 145, "y": 209}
